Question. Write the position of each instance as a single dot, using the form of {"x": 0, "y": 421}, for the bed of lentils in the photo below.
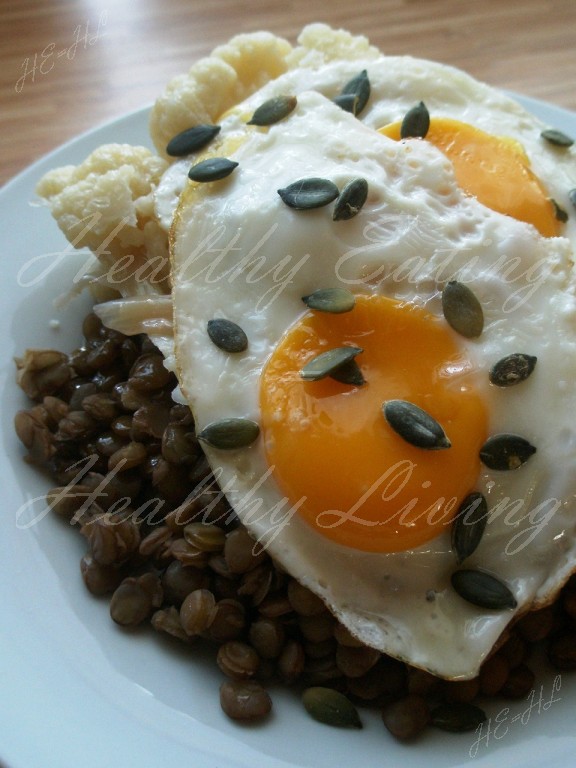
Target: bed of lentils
{"x": 166, "y": 548}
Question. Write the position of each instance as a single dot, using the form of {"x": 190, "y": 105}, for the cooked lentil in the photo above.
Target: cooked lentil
{"x": 244, "y": 700}
{"x": 237, "y": 660}
{"x": 494, "y": 674}
{"x": 521, "y": 680}
{"x": 267, "y": 637}
{"x": 197, "y": 611}
{"x": 229, "y": 622}
{"x": 133, "y": 600}
{"x": 407, "y": 717}
{"x": 166, "y": 548}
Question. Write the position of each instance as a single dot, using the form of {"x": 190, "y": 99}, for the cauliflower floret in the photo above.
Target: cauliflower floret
{"x": 319, "y": 44}
{"x": 106, "y": 204}
{"x": 217, "y": 82}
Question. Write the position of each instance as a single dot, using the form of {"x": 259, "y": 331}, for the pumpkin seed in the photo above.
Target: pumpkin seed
{"x": 512, "y": 369}
{"x": 327, "y": 362}
{"x": 458, "y": 717}
{"x": 359, "y": 89}
{"x": 347, "y": 101}
{"x": 231, "y": 433}
{"x": 191, "y": 140}
{"x": 351, "y": 200}
{"x": 213, "y": 169}
{"x": 462, "y": 310}
{"x": 227, "y": 335}
{"x": 469, "y": 525}
{"x": 349, "y": 373}
{"x": 415, "y": 425}
{"x": 559, "y": 212}
{"x": 331, "y": 707}
{"x": 334, "y": 300}
{"x": 273, "y": 110}
{"x": 572, "y": 197}
{"x": 482, "y": 589}
{"x": 557, "y": 138}
{"x": 309, "y": 193}
{"x": 416, "y": 122}
{"x": 506, "y": 451}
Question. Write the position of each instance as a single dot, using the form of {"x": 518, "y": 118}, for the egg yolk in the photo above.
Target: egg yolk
{"x": 493, "y": 169}
{"x": 330, "y": 448}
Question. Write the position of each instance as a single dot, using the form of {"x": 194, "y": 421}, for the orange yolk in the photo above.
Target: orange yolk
{"x": 333, "y": 454}
{"x": 493, "y": 169}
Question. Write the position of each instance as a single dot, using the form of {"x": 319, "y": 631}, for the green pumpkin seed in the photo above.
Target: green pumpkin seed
{"x": 469, "y": 525}
{"x": 191, "y": 140}
{"x": 359, "y": 89}
{"x": 557, "y": 138}
{"x": 227, "y": 335}
{"x": 309, "y": 193}
{"x": 559, "y": 212}
{"x": 462, "y": 310}
{"x": 334, "y": 300}
{"x": 482, "y": 589}
{"x": 327, "y": 362}
{"x": 416, "y": 122}
{"x": 415, "y": 425}
{"x": 506, "y": 452}
{"x": 273, "y": 110}
{"x": 347, "y": 101}
{"x": 331, "y": 707}
{"x": 572, "y": 197}
{"x": 457, "y": 718}
{"x": 349, "y": 373}
{"x": 213, "y": 169}
{"x": 228, "y": 434}
{"x": 351, "y": 200}
{"x": 512, "y": 369}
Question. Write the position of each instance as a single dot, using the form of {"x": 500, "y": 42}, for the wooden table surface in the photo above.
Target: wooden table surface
{"x": 69, "y": 65}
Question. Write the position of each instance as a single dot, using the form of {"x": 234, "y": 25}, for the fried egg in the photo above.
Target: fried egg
{"x": 352, "y": 509}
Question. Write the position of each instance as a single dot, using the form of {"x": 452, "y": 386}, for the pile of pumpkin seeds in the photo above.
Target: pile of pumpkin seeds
{"x": 177, "y": 559}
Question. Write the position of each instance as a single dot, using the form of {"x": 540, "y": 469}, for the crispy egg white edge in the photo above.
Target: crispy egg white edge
{"x": 391, "y": 634}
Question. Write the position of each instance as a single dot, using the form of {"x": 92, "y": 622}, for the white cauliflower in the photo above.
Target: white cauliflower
{"x": 216, "y": 83}
{"x": 106, "y": 204}
{"x": 319, "y": 44}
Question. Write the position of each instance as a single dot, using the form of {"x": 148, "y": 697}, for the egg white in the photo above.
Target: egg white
{"x": 239, "y": 252}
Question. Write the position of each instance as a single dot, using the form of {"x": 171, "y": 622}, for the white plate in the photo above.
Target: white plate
{"x": 75, "y": 690}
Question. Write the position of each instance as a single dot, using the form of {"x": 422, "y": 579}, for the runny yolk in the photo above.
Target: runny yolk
{"x": 333, "y": 454}
{"x": 493, "y": 169}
